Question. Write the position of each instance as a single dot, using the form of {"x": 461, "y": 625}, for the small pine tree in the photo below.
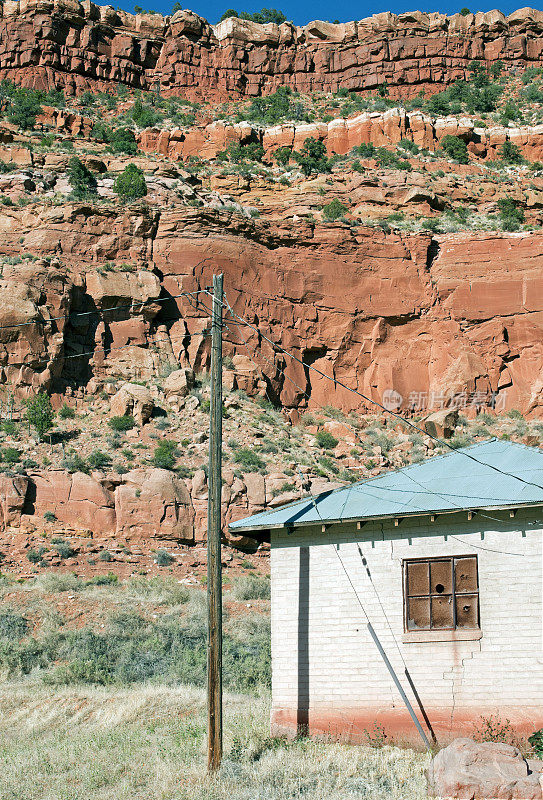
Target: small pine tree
{"x": 312, "y": 157}
{"x": 25, "y": 106}
{"x": 40, "y": 414}
{"x": 455, "y": 148}
{"x": 81, "y": 178}
{"x": 511, "y": 153}
{"x": 130, "y": 184}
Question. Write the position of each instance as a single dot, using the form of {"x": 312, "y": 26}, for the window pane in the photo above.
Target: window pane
{"x": 467, "y": 611}
{"x": 417, "y": 578}
{"x": 466, "y": 574}
{"x": 441, "y": 577}
{"x": 442, "y": 612}
{"x": 418, "y": 613}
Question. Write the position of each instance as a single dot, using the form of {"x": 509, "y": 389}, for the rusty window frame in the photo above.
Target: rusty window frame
{"x": 454, "y": 594}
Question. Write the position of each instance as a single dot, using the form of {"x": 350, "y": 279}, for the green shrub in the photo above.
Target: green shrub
{"x": 10, "y": 455}
{"x": 252, "y": 151}
{"x": 165, "y": 455}
{"x": 25, "y": 106}
{"x": 328, "y": 464}
{"x": 40, "y": 414}
{"x": 130, "y": 184}
{"x": 495, "y": 729}
{"x": 163, "y": 558}
{"x": 455, "y": 148}
{"x": 49, "y": 516}
{"x": 388, "y": 159}
{"x": 530, "y": 73}
{"x": 103, "y": 580}
{"x": 120, "y": 140}
{"x": 55, "y": 97}
{"x": 132, "y": 649}
{"x": 248, "y": 459}
{"x": 282, "y": 105}
{"x": 536, "y": 740}
{"x": 74, "y": 463}
{"x": 144, "y": 115}
{"x": 334, "y": 210}
{"x": 511, "y": 216}
{"x": 105, "y": 555}
{"x": 252, "y": 587}
{"x": 326, "y": 440}
{"x": 81, "y": 179}
{"x": 282, "y": 155}
{"x": 66, "y": 412}
{"x": 475, "y": 96}
{"x": 121, "y": 424}
{"x": 510, "y": 113}
{"x": 64, "y": 549}
{"x": 262, "y": 17}
{"x": 10, "y": 428}
{"x": 364, "y": 150}
{"x": 533, "y": 94}
{"x": 510, "y": 153}
{"x": 35, "y": 556}
{"x": 410, "y": 146}
{"x": 98, "y": 460}
{"x": 13, "y": 626}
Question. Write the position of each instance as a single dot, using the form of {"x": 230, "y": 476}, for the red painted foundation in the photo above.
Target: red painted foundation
{"x": 359, "y": 726}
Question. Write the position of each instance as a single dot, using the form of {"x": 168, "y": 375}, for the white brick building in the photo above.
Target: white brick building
{"x": 448, "y": 570}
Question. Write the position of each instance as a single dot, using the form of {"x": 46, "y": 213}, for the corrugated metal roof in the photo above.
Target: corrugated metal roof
{"x": 450, "y": 482}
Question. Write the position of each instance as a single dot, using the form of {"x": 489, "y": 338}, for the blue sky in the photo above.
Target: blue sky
{"x": 303, "y": 11}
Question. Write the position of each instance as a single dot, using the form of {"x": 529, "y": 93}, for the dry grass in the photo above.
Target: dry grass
{"x": 149, "y": 743}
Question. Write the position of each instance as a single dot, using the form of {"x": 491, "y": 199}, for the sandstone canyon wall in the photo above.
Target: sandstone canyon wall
{"x": 410, "y": 312}
{"x": 76, "y": 46}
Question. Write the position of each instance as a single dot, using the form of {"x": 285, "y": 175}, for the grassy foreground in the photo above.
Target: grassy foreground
{"x": 101, "y": 696}
{"x": 77, "y": 743}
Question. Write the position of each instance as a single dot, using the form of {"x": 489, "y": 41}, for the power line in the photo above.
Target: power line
{"x": 336, "y": 382}
{"x": 444, "y": 496}
{"x": 107, "y": 349}
{"x": 136, "y": 304}
{"x": 282, "y": 372}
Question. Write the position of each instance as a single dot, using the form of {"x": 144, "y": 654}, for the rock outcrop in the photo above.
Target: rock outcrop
{"x": 142, "y": 505}
{"x": 418, "y": 314}
{"x": 77, "y": 46}
{"x": 341, "y": 135}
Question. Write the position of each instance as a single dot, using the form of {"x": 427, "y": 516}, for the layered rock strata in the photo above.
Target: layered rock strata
{"x": 64, "y": 43}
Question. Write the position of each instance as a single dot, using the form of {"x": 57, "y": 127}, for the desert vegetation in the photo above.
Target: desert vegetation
{"x": 105, "y": 680}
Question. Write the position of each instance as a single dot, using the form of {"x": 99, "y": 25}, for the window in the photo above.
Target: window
{"x": 441, "y": 593}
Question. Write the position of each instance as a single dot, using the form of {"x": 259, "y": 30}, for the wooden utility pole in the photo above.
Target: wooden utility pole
{"x": 214, "y": 578}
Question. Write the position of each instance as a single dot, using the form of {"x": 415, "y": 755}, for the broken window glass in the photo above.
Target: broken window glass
{"x": 441, "y": 593}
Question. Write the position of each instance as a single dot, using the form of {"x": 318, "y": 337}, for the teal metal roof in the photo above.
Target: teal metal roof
{"x": 445, "y": 483}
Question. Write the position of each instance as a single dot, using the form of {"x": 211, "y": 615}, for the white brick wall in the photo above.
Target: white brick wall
{"x": 315, "y": 608}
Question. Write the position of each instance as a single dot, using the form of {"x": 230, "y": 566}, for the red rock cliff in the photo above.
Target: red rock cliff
{"x": 79, "y": 45}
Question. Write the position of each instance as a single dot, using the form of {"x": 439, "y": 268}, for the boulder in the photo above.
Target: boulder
{"x": 471, "y": 770}
{"x": 179, "y": 383}
{"x": 442, "y": 423}
{"x": 154, "y": 504}
{"x": 135, "y": 400}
